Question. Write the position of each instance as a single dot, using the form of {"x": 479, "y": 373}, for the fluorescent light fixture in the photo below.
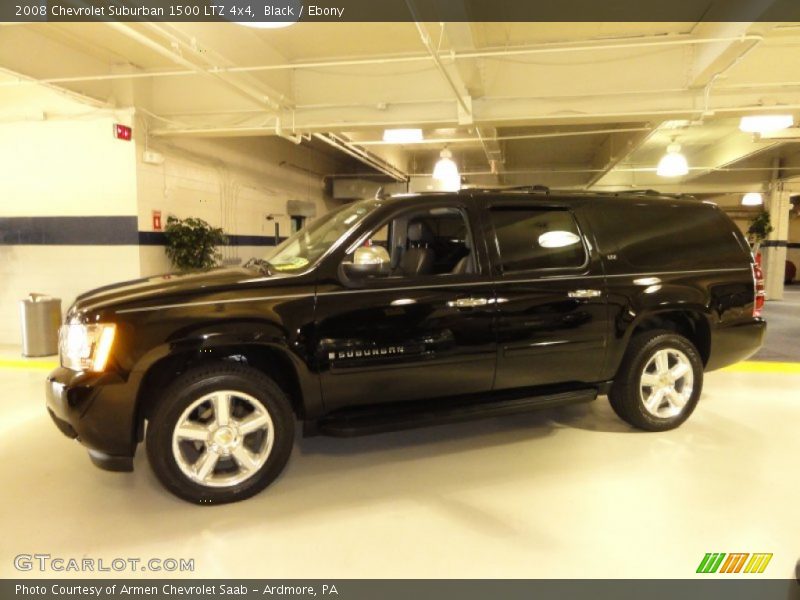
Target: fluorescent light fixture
{"x": 673, "y": 163}
{"x": 266, "y": 24}
{"x": 558, "y": 239}
{"x": 765, "y": 123}
{"x": 752, "y": 199}
{"x": 402, "y": 136}
{"x": 675, "y": 124}
{"x": 446, "y": 171}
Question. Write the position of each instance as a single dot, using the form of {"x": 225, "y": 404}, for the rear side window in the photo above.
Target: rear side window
{"x": 535, "y": 238}
{"x": 669, "y": 236}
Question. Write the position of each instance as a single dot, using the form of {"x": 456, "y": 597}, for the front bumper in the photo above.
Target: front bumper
{"x": 98, "y": 410}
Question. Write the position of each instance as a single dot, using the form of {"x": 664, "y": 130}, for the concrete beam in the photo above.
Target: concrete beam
{"x": 615, "y": 150}
{"x": 728, "y": 151}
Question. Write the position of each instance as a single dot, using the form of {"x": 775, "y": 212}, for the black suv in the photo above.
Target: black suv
{"x": 405, "y": 311}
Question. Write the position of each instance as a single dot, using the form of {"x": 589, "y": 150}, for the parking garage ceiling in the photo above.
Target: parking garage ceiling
{"x": 585, "y": 105}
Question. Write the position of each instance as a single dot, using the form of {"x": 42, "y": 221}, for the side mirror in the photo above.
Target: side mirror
{"x": 368, "y": 261}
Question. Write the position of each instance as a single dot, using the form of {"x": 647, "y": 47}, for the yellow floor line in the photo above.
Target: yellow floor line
{"x": 28, "y": 364}
{"x": 750, "y": 366}
{"x": 757, "y": 366}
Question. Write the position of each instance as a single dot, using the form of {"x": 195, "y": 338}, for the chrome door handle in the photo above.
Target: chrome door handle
{"x": 584, "y": 293}
{"x": 468, "y": 302}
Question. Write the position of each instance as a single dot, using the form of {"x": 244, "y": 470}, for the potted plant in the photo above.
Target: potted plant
{"x": 760, "y": 228}
{"x": 192, "y": 243}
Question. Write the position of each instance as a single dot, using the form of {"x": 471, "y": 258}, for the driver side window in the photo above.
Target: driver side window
{"x": 423, "y": 243}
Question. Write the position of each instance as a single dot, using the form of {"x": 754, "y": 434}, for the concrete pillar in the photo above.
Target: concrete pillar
{"x": 773, "y": 250}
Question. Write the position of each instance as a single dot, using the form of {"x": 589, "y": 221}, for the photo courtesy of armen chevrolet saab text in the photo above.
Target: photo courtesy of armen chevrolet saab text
{"x": 404, "y": 311}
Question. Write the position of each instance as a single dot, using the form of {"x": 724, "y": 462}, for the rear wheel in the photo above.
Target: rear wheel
{"x": 219, "y": 434}
{"x": 659, "y": 382}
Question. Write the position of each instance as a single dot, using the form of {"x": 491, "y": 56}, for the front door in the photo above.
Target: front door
{"x": 551, "y": 300}
{"x": 422, "y": 331}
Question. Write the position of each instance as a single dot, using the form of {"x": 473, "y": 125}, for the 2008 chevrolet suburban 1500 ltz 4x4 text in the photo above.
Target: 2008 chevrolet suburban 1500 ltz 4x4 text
{"x": 405, "y": 311}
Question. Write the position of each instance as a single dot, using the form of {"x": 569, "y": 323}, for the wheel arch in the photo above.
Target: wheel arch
{"x": 690, "y": 322}
{"x": 272, "y": 360}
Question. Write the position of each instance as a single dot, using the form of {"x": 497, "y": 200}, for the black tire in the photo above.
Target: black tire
{"x": 625, "y": 395}
{"x": 195, "y": 384}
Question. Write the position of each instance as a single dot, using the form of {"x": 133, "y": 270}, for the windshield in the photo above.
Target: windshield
{"x": 307, "y": 246}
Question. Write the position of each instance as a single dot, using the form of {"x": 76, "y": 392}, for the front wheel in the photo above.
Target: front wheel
{"x": 220, "y": 433}
{"x": 659, "y": 382}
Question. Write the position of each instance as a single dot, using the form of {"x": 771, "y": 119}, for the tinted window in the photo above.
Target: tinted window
{"x": 441, "y": 243}
{"x": 669, "y": 236}
{"x": 537, "y": 239}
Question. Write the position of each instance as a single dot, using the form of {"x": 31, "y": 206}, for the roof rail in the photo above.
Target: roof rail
{"x": 536, "y": 189}
{"x": 648, "y": 192}
{"x": 651, "y": 192}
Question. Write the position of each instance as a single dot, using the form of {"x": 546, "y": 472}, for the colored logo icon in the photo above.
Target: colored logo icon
{"x": 738, "y": 562}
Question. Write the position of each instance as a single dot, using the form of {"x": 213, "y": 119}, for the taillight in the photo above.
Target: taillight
{"x": 758, "y": 284}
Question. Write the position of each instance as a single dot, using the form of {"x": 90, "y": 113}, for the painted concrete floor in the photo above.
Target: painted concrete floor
{"x": 571, "y": 492}
{"x": 782, "y": 342}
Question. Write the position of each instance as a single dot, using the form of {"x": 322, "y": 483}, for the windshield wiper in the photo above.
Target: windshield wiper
{"x": 260, "y": 264}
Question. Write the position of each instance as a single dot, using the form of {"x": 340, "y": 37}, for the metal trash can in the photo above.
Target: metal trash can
{"x": 41, "y": 317}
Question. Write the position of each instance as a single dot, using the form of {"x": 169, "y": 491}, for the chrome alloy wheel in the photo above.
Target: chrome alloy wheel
{"x": 666, "y": 383}
{"x": 222, "y": 439}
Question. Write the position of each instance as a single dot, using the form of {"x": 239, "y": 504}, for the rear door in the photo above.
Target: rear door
{"x": 551, "y": 321}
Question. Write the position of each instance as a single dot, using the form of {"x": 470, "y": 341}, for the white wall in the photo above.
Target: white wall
{"x": 233, "y": 183}
{"x": 73, "y": 166}
{"x": 56, "y": 168}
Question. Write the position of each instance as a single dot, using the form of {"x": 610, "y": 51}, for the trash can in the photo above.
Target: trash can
{"x": 41, "y": 318}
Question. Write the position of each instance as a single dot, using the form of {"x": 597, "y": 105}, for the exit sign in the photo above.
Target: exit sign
{"x": 123, "y": 132}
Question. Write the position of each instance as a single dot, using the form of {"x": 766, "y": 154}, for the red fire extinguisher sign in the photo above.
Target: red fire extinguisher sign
{"x": 156, "y": 220}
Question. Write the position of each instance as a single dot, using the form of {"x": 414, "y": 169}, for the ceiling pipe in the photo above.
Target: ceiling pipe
{"x": 276, "y": 100}
{"x": 192, "y": 69}
{"x": 579, "y": 170}
{"x": 73, "y": 95}
{"x": 434, "y": 54}
{"x": 538, "y": 120}
{"x": 147, "y": 42}
{"x": 292, "y": 137}
{"x": 242, "y": 90}
{"x": 369, "y": 159}
{"x": 504, "y": 138}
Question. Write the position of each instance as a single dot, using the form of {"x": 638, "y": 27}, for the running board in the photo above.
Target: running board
{"x": 396, "y": 417}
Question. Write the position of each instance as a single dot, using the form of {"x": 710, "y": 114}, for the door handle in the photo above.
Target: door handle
{"x": 468, "y": 302}
{"x": 584, "y": 293}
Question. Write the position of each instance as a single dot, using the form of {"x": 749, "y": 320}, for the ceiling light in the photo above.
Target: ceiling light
{"x": 402, "y": 136}
{"x": 673, "y": 163}
{"x": 675, "y": 124}
{"x": 752, "y": 199}
{"x": 265, "y": 24}
{"x": 446, "y": 171}
{"x": 765, "y": 123}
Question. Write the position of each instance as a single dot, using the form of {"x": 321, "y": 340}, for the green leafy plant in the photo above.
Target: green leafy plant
{"x": 192, "y": 243}
{"x": 760, "y": 228}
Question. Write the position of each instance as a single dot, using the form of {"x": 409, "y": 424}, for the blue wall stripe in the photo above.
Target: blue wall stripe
{"x": 69, "y": 231}
{"x": 95, "y": 231}
{"x": 158, "y": 238}
{"x": 779, "y": 244}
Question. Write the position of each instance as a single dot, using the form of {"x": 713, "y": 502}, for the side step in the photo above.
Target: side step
{"x": 396, "y": 417}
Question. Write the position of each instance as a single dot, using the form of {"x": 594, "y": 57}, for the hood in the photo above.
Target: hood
{"x": 172, "y": 286}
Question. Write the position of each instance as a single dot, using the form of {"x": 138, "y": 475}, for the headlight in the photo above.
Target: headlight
{"x": 86, "y": 347}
